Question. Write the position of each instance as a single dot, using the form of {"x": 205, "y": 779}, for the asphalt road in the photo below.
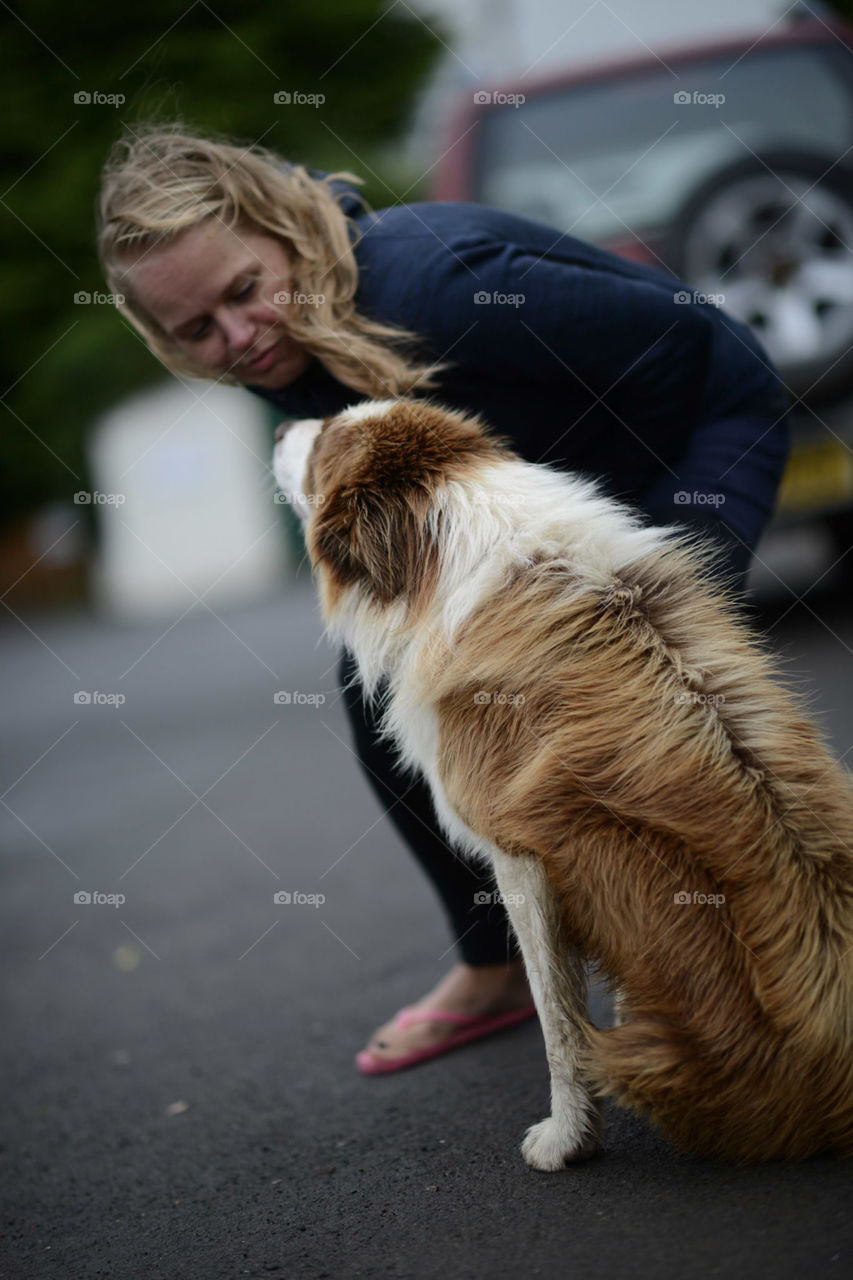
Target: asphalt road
{"x": 180, "y": 1097}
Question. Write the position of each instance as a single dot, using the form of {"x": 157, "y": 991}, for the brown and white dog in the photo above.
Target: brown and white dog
{"x": 598, "y": 725}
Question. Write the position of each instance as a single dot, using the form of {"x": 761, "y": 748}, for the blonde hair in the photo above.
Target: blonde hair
{"x": 157, "y": 181}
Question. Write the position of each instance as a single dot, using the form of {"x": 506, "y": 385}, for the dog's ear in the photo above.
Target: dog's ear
{"x": 378, "y": 538}
{"x": 379, "y": 472}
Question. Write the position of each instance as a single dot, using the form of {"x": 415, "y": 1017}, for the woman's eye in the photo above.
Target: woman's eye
{"x": 200, "y": 332}
{"x": 245, "y": 291}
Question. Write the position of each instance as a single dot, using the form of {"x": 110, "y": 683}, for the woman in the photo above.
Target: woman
{"x": 237, "y": 266}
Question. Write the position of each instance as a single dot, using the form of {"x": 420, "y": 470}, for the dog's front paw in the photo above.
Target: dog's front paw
{"x": 552, "y": 1143}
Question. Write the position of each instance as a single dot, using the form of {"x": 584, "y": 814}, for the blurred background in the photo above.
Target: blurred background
{"x": 715, "y": 143}
{"x": 176, "y": 751}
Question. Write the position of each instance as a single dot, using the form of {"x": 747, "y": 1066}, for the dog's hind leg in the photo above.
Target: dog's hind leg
{"x": 557, "y": 979}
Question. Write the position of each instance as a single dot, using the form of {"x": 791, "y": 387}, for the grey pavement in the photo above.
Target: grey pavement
{"x": 180, "y": 1096}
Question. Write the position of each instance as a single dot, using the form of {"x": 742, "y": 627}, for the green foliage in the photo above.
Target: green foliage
{"x": 216, "y": 66}
{"x": 844, "y": 8}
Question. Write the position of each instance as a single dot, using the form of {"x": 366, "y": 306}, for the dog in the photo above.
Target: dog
{"x": 600, "y": 726}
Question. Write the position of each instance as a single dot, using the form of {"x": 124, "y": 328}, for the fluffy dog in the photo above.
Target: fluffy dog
{"x": 598, "y": 725}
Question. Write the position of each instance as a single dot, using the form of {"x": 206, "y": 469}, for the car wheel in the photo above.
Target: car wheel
{"x": 771, "y": 238}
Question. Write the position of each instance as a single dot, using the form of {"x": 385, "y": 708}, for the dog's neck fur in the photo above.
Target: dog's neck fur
{"x": 502, "y": 516}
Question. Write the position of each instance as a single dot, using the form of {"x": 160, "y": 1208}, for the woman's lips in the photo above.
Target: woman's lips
{"x": 265, "y": 360}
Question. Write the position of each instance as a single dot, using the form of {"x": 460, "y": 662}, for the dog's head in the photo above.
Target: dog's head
{"x": 365, "y": 484}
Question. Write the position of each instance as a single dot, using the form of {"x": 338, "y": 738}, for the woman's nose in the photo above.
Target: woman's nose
{"x": 239, "y": 334}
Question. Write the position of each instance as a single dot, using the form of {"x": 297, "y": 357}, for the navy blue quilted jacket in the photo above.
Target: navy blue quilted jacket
{"x": 584, "y": 360}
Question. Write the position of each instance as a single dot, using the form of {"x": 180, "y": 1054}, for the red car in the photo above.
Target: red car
{"x": 730, "y": 165}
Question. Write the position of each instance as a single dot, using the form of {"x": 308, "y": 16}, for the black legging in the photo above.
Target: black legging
{"x": 479, "y": 924}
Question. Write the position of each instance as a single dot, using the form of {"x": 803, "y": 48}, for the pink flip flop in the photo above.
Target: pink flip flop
{"x": 470, "y": 1028}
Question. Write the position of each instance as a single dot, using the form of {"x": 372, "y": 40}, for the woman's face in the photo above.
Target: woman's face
{"x": 213, "y": 290}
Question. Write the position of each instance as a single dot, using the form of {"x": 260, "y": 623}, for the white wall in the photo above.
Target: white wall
{"x": 504, "y": 37}
{"x": 184, "y": 501}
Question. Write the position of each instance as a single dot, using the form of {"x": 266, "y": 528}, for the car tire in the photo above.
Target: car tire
{"x": 770, "y": 238}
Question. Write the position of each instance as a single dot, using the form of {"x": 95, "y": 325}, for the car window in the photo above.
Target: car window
{"x": 625, "y": 153}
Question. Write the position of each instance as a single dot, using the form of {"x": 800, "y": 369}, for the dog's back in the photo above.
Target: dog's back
{"x": 572, "y": 691}
{"x": 697, "y": 829}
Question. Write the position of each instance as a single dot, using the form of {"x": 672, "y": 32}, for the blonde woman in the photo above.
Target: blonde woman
{"x": 238, "y": 266}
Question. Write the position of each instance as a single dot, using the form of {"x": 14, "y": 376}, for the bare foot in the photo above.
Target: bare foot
{"x": 476, "y": 990}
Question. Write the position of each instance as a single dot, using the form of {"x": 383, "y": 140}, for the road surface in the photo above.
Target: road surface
{"x": 180, "y": 1094}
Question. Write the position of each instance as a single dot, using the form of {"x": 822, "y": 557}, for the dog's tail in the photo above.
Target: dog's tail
{"x": 759, "y": 1104}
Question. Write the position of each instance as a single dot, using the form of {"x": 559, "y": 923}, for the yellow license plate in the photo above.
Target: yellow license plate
{"x": 817, "y": 476}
